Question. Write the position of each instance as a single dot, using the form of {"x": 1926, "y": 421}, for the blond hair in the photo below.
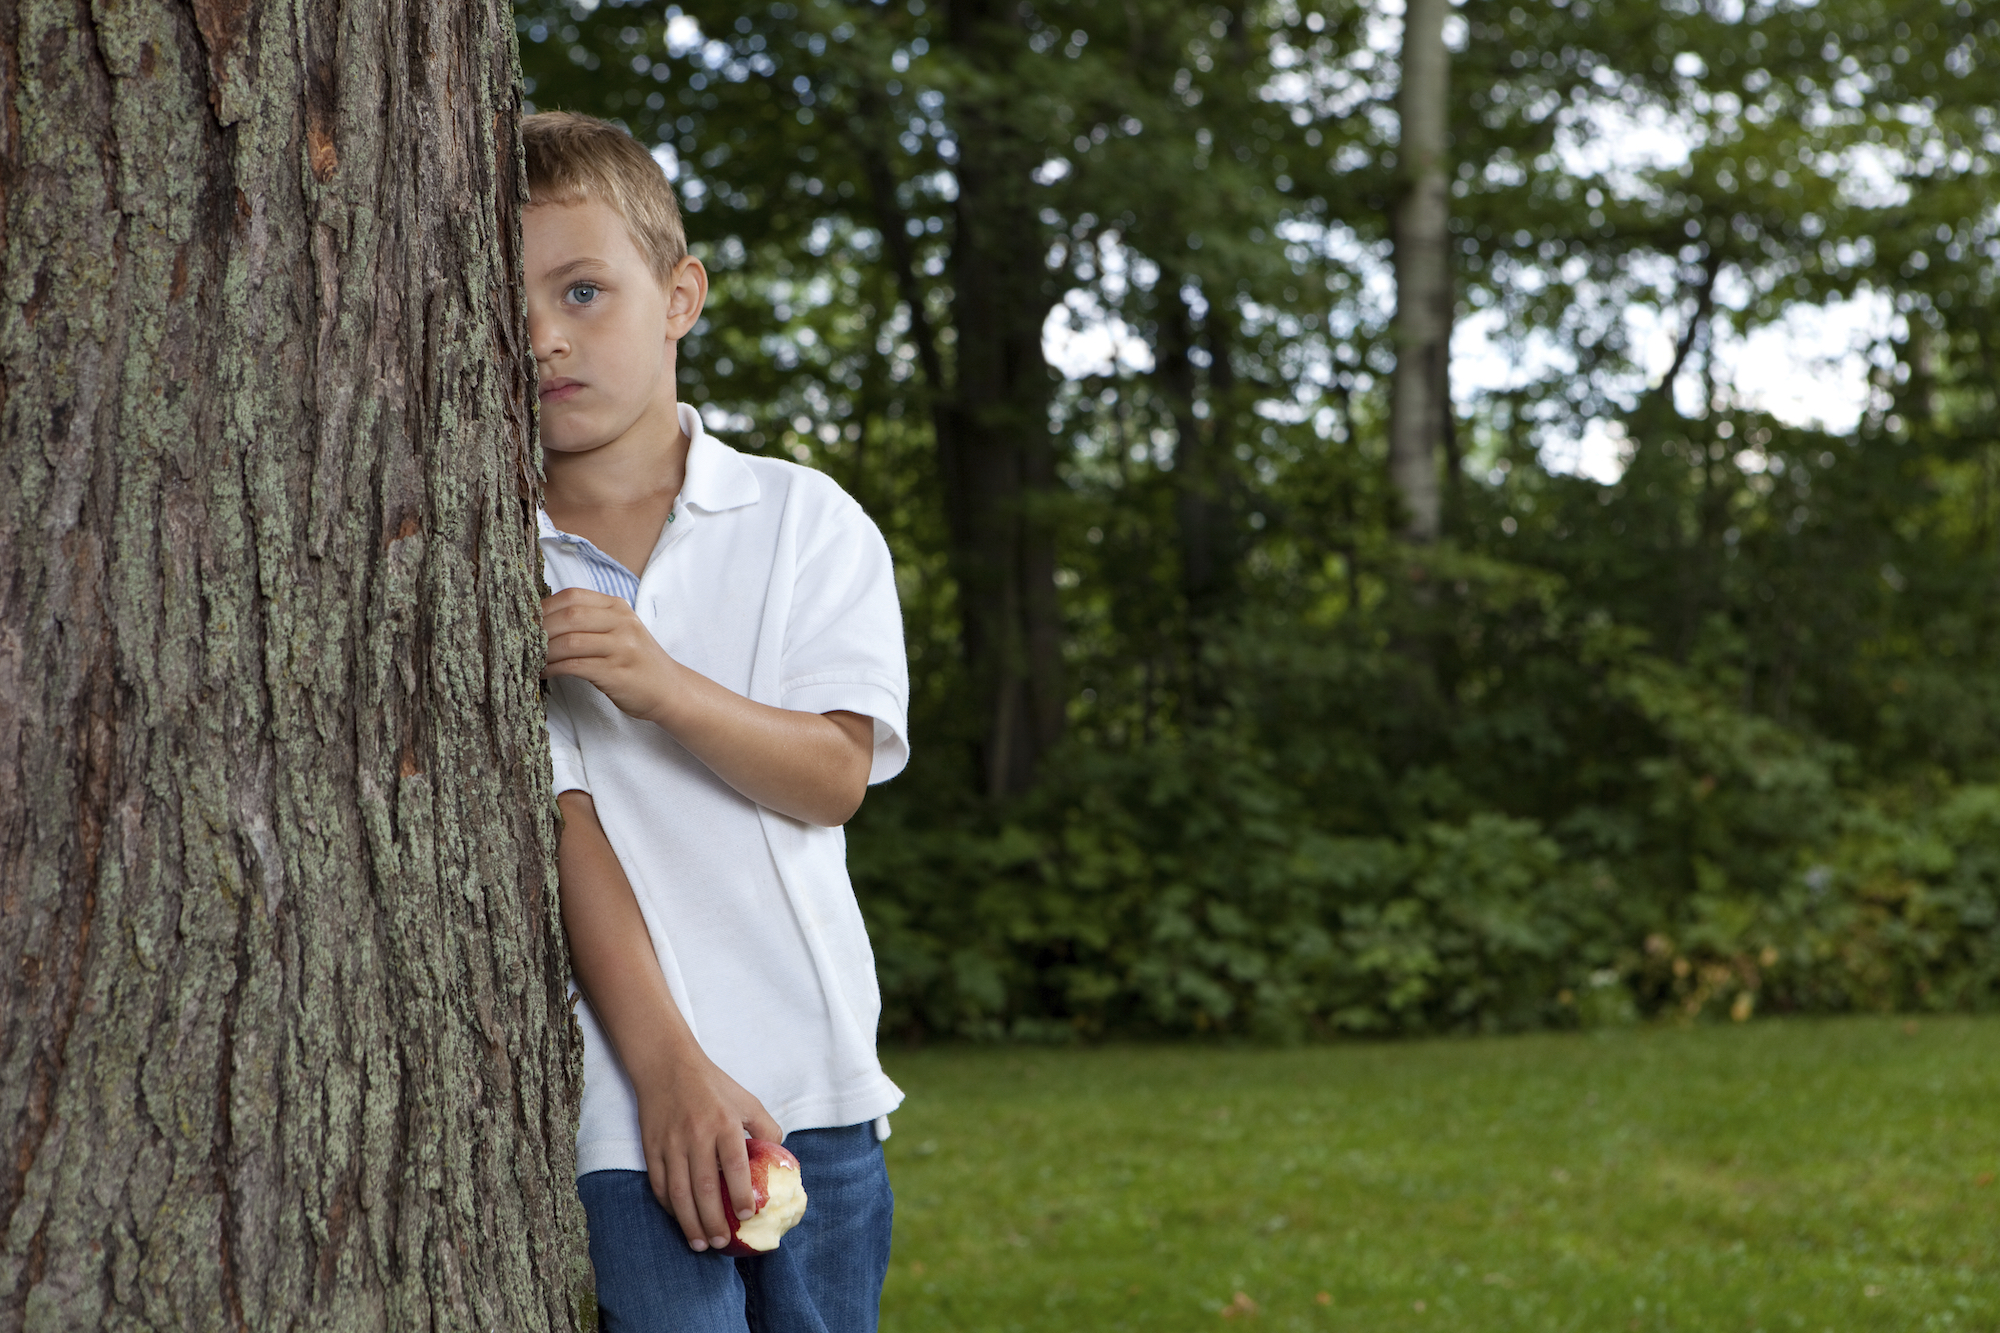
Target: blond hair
{"x": 572, "y": 158}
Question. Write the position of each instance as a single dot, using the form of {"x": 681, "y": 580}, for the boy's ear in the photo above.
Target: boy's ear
{"x": 687, "y": 293}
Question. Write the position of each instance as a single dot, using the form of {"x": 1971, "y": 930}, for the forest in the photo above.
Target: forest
{"x": 1642, "y": 688}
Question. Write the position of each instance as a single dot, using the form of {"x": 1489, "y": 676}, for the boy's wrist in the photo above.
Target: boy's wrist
{"x": 668, "y": 689}
{"x": 664, "y": 1062}
{"x": 678, "y": 694}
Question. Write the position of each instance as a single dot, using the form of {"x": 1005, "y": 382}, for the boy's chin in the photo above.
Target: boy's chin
{"x": 563, "y": 433}
{"x": 552, "y": 444}
{"x": 573, "y": 437}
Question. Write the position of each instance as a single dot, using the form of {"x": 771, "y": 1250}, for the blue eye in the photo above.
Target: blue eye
{"x": 583, "y": 293}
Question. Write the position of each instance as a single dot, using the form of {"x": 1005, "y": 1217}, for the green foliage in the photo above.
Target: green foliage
{"x": 1714, "y": 738}
{"x": 1903, "y": 914}
{"x": 1185, "y": 890}
{"x": 1191, "y": 888}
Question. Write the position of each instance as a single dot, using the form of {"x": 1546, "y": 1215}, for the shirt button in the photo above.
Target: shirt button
{"x": 570, "y": 547}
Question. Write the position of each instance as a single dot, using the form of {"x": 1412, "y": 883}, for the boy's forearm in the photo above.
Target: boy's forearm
{"x": 611, "y": 951}
{"x": 692, "y": 1115}
{"x": 811, "y": 766}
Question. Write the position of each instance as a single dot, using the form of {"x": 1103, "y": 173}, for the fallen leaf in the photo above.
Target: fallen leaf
{"x": 1241, "y": 1305}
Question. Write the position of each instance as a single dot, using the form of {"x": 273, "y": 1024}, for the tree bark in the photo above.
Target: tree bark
{"x": 1209, "y": 543}
{"x": 1204, "y": 520}
{"x": 1420, "y": 409}
{"x": 994, "y": 447}
{"x": 285, "y": 1042}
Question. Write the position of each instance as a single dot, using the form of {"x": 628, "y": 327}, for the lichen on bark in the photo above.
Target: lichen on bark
{"x": 285, "y": 1040}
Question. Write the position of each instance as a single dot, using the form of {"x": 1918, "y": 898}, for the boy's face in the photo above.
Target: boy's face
{"x": 603, "y": 327}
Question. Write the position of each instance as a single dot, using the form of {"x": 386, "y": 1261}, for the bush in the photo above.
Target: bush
{"x": 1190, "y": 892}
{"x": 1901, "y": 912}
{"x": 1190, "y": 888}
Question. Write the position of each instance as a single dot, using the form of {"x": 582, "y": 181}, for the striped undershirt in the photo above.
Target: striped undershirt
{"x": 606, "y": 575}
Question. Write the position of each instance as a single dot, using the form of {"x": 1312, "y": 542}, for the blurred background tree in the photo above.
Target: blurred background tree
{"x": 1684, "y": 698}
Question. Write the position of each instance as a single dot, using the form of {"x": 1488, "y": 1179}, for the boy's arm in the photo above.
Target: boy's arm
{"x": 691, "y": 1115}
{"x": 811, "y": 766}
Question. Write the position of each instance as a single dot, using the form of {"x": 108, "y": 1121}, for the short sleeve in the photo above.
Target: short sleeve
{"x": 565, "y": 755}
{"x": 844, "y": 641}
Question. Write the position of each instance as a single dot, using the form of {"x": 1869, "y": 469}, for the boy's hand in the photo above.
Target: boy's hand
{"x": 811, "y": 766}
{"x": 599, "y": 638}
{"x": 692, "y": 1119}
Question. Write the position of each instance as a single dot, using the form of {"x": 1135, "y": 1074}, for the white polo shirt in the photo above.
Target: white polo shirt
{"x": 770, "y": 580}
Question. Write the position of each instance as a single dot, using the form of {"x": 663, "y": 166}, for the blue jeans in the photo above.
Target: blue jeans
{"x": 826, "y": 1276}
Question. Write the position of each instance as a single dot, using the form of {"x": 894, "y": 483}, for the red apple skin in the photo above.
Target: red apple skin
{"x": 763, "y": 1154}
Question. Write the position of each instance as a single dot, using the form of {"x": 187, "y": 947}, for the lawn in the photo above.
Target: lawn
{"x": 1823, "y": 1175}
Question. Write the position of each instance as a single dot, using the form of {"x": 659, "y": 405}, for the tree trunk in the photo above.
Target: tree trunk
{"x": 285, "y": 1043}
{"x": 1209, "y": 543}
{"x": 1204, "y": 480}
{"x": 1420, "y": 410}
{"x": 994, "y": 449}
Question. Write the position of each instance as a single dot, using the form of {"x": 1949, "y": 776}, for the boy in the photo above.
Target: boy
{"x": 726, "y": 677}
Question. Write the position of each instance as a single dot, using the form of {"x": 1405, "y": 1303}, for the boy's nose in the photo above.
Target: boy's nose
{"x": 545, "y": 342}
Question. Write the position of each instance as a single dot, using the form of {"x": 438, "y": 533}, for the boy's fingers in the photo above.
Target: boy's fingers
{"x": 656, "y": 1171}
{"x": 680, "y": 1201}
{"x": 714, "y": 1216}
{"x": 735, "y": 1161}
{"x": 569, "y": 597}
{"x": 578, "y": 644}
{"x": 584, "y": 620}
{"x": 573, "y": 666}
{"x": 761, "y": 1126}
{"x": 593, "y": 647}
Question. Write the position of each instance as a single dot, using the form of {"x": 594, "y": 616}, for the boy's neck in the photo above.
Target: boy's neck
{"x": 643, "y": 469}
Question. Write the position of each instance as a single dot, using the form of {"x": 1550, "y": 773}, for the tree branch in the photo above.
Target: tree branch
{"x": 1704, "y": 306}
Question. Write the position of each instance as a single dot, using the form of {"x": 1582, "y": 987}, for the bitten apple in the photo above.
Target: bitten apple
{"x": 778, "y": 1198}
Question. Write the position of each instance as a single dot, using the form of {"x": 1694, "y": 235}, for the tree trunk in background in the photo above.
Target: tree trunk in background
{"x": 1209, "y": 544}
{"x": 1420, "y": 408}
{"x": 1209, "y": 541}
{"x": 285, "y": 1041}
{"x": 994, "y": 449}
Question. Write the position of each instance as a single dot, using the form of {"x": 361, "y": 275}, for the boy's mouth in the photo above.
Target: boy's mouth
{"x": 559, "y": 388}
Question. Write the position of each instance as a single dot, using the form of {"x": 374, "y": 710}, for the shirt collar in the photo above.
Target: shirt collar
{"x": 717, "y": 477}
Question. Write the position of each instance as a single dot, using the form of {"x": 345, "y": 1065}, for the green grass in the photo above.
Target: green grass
{"x": 1827, "y": 1175}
